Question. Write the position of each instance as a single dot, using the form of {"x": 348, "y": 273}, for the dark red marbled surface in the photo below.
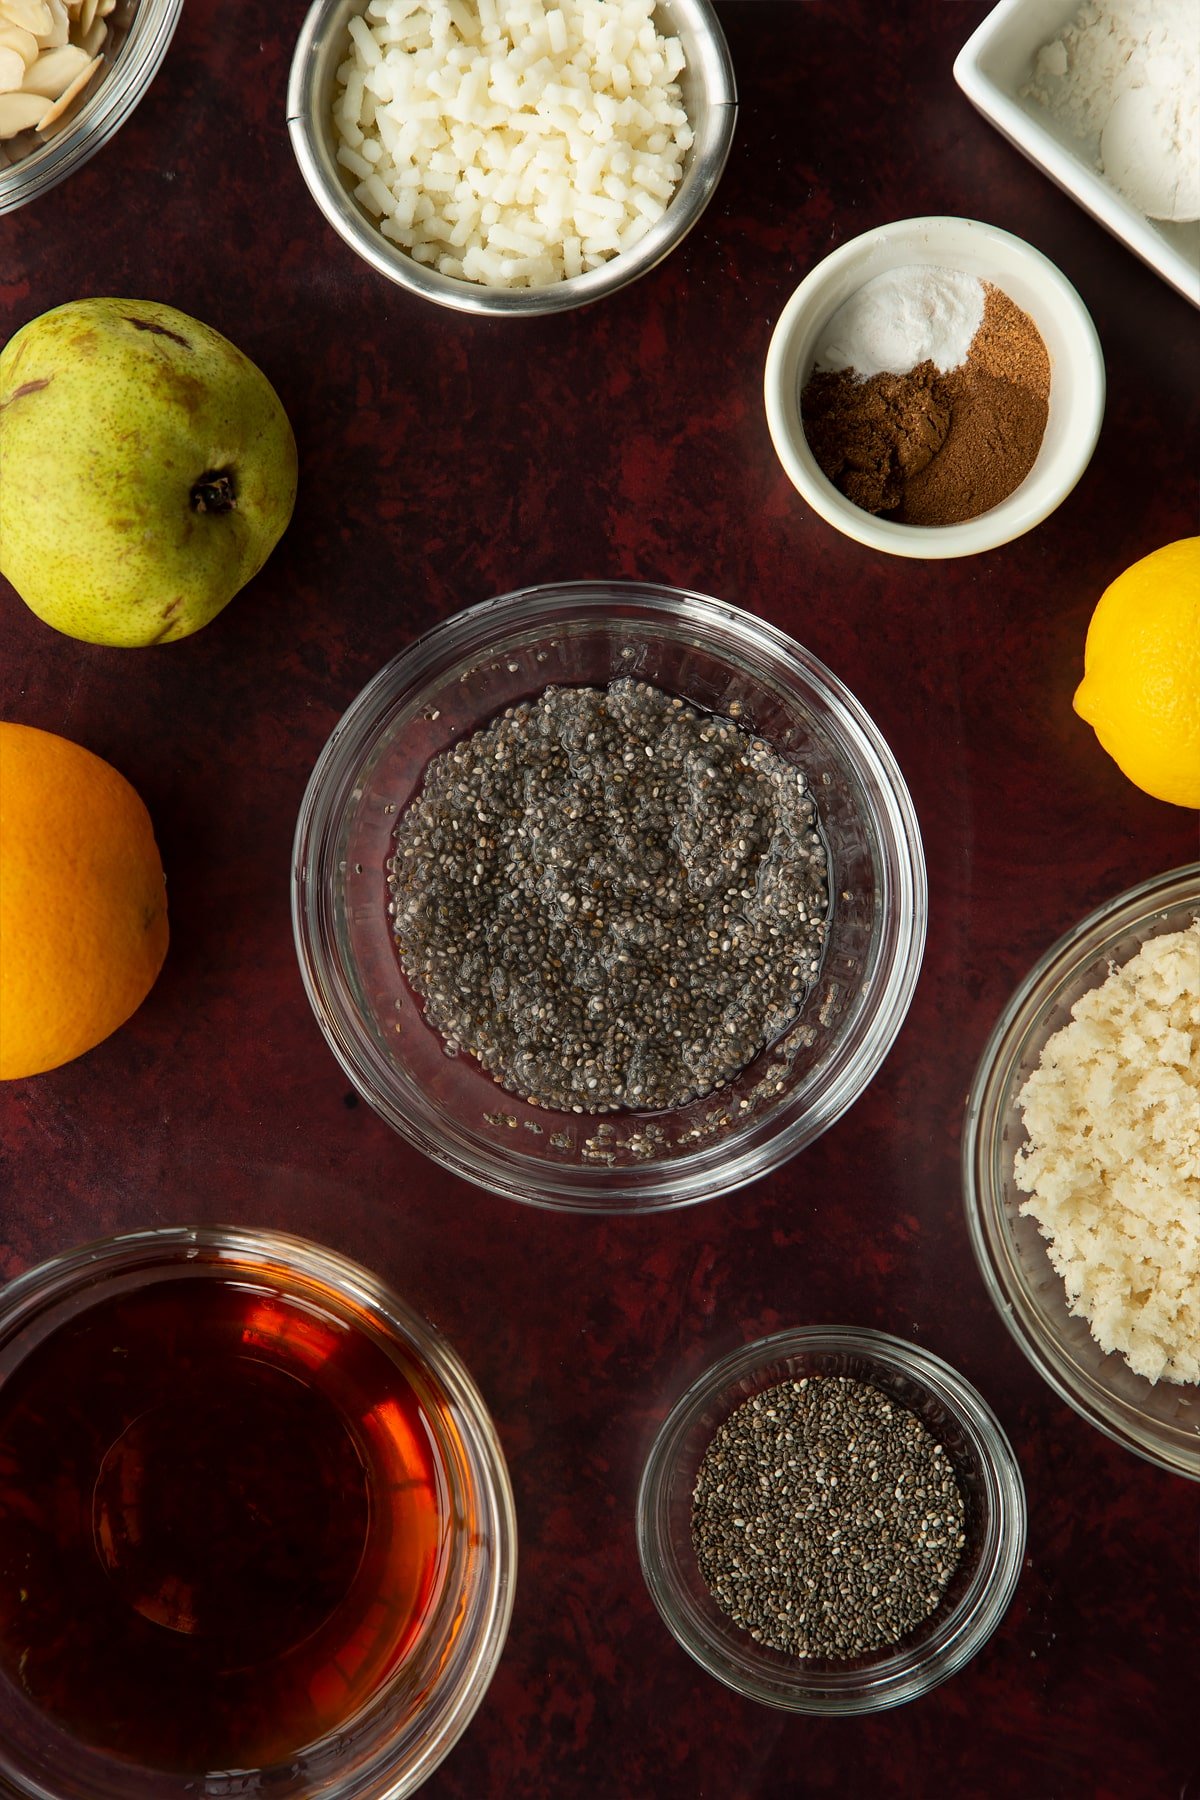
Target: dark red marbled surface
{"x": 444, "y": 460}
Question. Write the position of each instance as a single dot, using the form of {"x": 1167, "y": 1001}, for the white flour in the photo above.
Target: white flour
{"x": 1123, "y": 78}
{"x": 903, "y": 318}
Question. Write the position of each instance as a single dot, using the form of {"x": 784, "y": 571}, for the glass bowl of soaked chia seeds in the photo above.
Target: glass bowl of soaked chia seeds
{"x": 831, "y": 1521}
{"x": 608, "y": 896}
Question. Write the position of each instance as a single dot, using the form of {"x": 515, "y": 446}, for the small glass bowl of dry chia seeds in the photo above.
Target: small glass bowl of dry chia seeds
{"x": 831, "y": 1521}
{"x": 703, "y": 977}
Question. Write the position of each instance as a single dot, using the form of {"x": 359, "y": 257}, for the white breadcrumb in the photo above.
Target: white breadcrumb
{"x": 1112, "y": 1166}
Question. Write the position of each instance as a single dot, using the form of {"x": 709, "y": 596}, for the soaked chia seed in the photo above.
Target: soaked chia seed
{"x": 826, "y": 1520}
{"x": 610, "y": 899}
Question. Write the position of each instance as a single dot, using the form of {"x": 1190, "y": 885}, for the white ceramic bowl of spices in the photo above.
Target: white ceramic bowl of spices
{"x": 831, "y": 1521}
{"x": 935, "y": 388}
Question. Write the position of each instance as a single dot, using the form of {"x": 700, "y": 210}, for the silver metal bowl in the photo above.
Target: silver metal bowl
{"x": 140, "y": 33}
{"x": 709, "y": 95}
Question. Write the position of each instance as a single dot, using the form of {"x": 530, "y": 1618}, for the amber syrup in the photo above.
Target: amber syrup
{"x": 223, "y": 1522}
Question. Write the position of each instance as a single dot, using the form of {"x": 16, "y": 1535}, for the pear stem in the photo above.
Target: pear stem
{"x": 213, "y": 493}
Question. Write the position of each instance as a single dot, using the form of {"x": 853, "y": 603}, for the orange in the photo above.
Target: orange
{"x": 83, "y": 905}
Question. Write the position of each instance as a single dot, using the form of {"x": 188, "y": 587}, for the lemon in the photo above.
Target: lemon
{"x": 1140, "y": 691}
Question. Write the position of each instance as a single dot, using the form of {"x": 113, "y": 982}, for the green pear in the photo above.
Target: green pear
{"x": 147, "y": 470}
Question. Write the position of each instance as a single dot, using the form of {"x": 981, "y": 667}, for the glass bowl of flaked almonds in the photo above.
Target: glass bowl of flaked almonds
{"x": 831, "y": 1520}
{"x": 71, "y": 72}
{"x": 1081, "y": 1168}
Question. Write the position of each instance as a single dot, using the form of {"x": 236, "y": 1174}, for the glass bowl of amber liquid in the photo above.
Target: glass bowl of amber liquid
{"x": 722, "y": 661}
{"x": 256, "y": 1530}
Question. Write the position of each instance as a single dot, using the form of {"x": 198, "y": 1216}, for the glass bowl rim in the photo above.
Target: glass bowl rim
{"x": 981, "y": 1606}
{"x": 377, "y": 1774}
{"x": 1027, "y": 1007}
{"x": 484, "y": 628}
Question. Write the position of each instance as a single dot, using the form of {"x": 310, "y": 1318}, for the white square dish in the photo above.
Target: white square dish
{"x": 994, "y": 65}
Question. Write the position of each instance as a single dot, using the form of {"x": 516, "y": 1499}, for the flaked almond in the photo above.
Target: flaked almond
{"x": 19, "y": 112}
{"x": 65, "y": 98}
{"x": 60, "y": 27}
{"x": 55, "y": 70}
{"x": 30, "y": 15}
{"x": 58, "y": 44}
{"x": 15, "y": 37}
{"x": 12, "y": 70}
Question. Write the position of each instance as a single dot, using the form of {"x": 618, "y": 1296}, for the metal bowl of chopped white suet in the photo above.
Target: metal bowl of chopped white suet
{"x": 1081, "y": 1147}
{"x": 608, "y": 896}
{"x": 513, "y": 159}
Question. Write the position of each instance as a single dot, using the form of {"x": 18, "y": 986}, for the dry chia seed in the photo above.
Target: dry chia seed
{"x": 826, "y": 1520}
{"x": 609, "y": 898}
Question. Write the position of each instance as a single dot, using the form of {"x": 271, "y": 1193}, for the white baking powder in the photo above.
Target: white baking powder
{"x": 904, "y": 317}
{"x": 1123, "y": 80}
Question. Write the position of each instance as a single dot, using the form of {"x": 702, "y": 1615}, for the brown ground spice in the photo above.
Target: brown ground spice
{"x": 1009, "y": 345}
{"x": 928, "y": 448}
{"x": 994, "y": 435}
{"x": 873, "y": 437}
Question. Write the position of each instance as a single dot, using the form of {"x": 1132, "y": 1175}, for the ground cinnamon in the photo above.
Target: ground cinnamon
{"x": 992, "y": 442}
{"x": 927, "y": 448}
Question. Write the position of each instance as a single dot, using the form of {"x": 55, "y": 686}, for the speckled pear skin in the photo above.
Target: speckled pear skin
{"x": 111, "y": 412}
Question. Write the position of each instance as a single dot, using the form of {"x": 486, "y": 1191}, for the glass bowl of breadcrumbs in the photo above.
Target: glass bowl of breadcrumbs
{"x": 1081, "y": 1168}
